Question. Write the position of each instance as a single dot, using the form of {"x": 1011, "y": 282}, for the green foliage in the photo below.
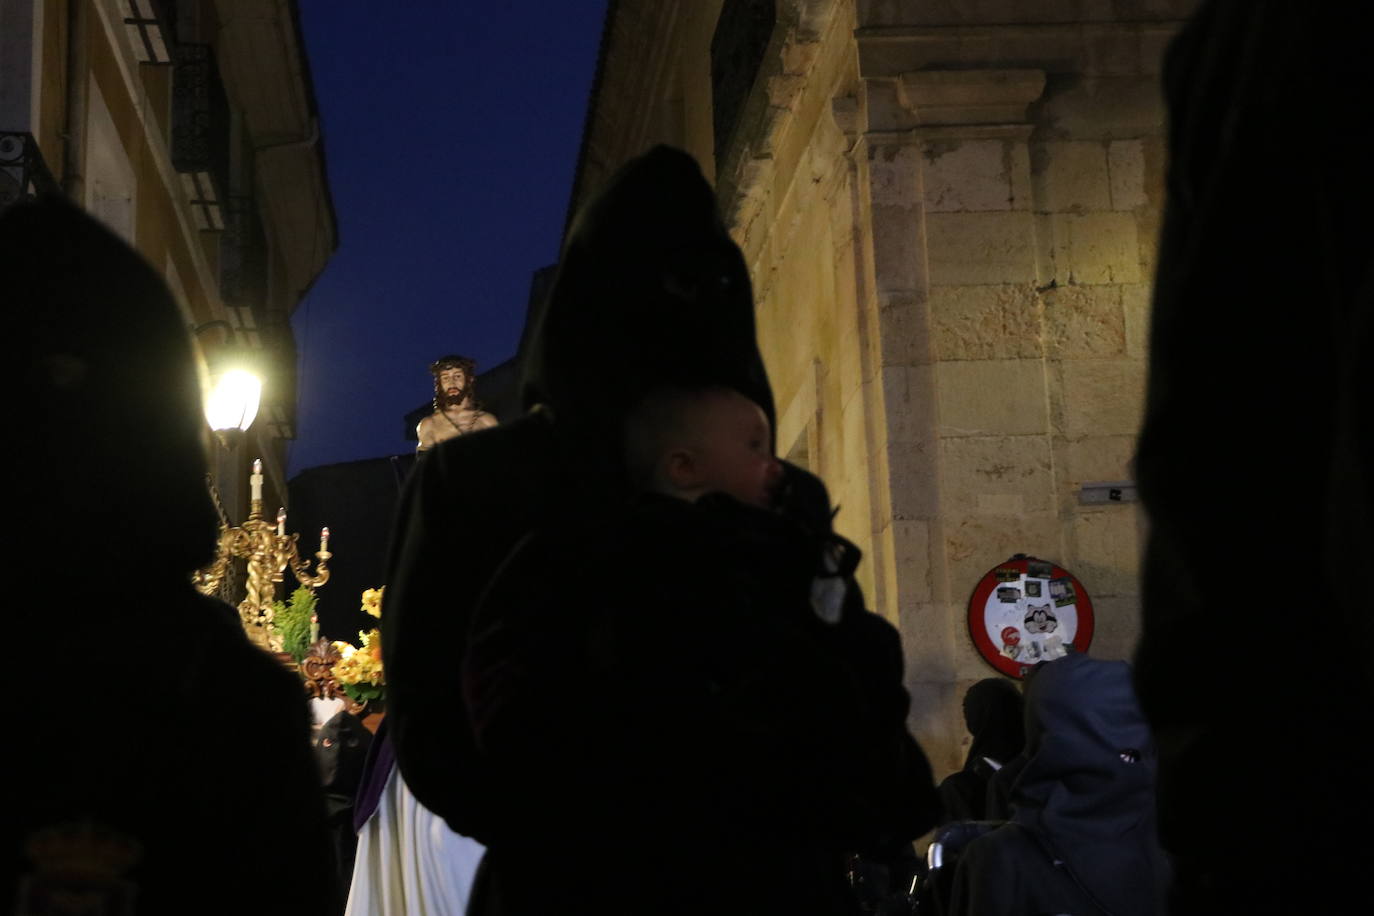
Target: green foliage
{"x": 292, "y": 621}
{"x": 364, "y": 692}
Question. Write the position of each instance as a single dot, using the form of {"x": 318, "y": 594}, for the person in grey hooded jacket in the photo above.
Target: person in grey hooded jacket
{"x": 1082, "y": 836}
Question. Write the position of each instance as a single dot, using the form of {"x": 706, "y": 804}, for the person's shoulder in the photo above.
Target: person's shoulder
{"x": 217, "y": 656}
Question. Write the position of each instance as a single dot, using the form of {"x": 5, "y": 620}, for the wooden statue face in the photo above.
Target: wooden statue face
{"x": 453, "y": 382}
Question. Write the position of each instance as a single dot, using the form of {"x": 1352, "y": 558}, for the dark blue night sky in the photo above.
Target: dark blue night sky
{"x": 451, "y": 132}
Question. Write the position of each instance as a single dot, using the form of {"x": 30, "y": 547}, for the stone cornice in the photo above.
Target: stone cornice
{"x": 1097, "y": 48}
{"x": 947, "y": 97}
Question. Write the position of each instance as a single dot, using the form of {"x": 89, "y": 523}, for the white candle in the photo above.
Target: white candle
{"x": 281, "y": 522}
{"x": 324, "y": 540}
{"x": 256, "y": 479}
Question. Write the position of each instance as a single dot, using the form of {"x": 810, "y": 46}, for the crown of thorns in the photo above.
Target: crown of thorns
{"x": 454, "y": 361}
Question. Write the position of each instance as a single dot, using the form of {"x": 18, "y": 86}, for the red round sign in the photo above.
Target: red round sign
{"x": 1025, "y": 611}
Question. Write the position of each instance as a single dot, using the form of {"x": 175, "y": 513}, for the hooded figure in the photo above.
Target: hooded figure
{"x": 1263, "y": 319}
{"x": 650, "y": 291}
{"x": 1082, "y": 836}
{"x": 993, "y": 716}
{"x": 164, "y": 758}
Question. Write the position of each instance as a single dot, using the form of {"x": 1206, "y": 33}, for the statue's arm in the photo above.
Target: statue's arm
{"x": 423, "y": 434}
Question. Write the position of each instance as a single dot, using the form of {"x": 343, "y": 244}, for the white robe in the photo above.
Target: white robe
{"x": 409, "y": 862}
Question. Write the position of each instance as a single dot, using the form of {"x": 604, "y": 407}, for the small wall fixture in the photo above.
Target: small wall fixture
{"x": 1105, "y": 492}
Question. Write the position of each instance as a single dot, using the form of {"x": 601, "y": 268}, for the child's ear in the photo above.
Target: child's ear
{"x": 681, "y": 467}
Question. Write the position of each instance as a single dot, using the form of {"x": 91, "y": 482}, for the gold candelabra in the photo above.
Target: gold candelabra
{"x": 269, "y": 551}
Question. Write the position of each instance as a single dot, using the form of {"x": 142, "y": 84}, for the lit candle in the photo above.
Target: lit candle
{"x": 256, "y": 479}
{"x": 314, "y": 628}
{"x": 324, "y": 540}
{"x": 281, "y": 522}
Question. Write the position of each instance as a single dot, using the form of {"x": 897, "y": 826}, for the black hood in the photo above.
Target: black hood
{"x": 993, "y": 713}
{"x": 1087, "y": 790}
{"x": 109, "y": 421}
{"x": 650, "y": 291}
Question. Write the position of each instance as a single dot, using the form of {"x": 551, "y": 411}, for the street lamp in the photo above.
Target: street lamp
{"x": 233, "y": 390}
{"x": 232, "y": 404}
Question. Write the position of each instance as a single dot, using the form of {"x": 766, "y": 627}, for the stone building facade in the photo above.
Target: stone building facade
{"x": 949, "y": 210}
{"x": 190, "y": 128}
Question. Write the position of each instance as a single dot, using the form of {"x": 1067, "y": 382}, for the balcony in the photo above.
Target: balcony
{"x": 23, "y": 173}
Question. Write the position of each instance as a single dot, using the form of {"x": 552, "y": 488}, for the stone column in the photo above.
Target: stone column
{"x": 966, "y": 475}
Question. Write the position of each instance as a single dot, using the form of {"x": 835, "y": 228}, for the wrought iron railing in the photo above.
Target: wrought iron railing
{"x": 23, "y": 173}
{"x": 200, "y": 132}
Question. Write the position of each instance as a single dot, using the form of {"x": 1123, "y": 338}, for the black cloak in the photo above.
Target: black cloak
{"x": 1255, "y": 458}
{"x": 650, "y": 291}
{"x": 158, "y": 759}
{"x": 993, "y": 716}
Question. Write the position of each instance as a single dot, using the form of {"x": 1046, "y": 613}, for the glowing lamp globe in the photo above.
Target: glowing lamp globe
{"x": 233, "y": 404}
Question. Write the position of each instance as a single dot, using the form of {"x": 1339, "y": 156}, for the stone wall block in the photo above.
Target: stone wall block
{"x": 936, "y": 717}
{"x": 986, "y": 322}
{"x": 909, "y": 398}
{"x": 1017, "y": 156}
{"x": 1135, "y": 308}
{"x": 1095, "y": 248}
{"x": 1126, "y": 162}
{"x": 1102, "y": 397}
{"x": 991, "y": 398}
{"x": 1072, "y": 175}
{"x": 927, "y": 636}
{"x": 914, "y": 481}
{"x": 1107, "y": 550}
{"x": 970, "y": 175}
{"x": 996, "y": 475}
{"x": 1111, "y": 51}
{"x": 897, "y": 247}
{"x": 894, "y": 175}
{"x": 904, "y": 334}
{"x": 1153, "y": 43}
{"x": 1116, "y": 627}
{"x": 975, "y": 544}
{"x": 965, "y": 249}
{"x": 912, "y": 562}
{"x": 1101, "y": 107}
{"x": 1084, "y": 322}
{"x": 1095, "y": 458}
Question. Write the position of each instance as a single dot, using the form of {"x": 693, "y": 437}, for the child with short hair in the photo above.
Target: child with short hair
{"x": 677, "y": 727}
{"x": 687, "y": 443}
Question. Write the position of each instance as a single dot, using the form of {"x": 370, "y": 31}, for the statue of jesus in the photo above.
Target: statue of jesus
{"x": 456, "y": 408}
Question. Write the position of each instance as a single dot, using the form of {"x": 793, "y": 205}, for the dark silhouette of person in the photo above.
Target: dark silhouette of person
{"x": 342, "y": 746}
{"x": 709, "y": 714}
{"x": 993, "y": 716}
{"x": 1082, "y": 835}
{"x": 161, "y": 763}
{"x": 651, "y": 293}
{"x": 1262, "y": 326}
{"x": 650, "y": 289}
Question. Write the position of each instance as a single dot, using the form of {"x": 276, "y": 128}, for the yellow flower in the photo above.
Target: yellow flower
{"x": 372, "y": 601}
{"x": 359, "y": 665}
